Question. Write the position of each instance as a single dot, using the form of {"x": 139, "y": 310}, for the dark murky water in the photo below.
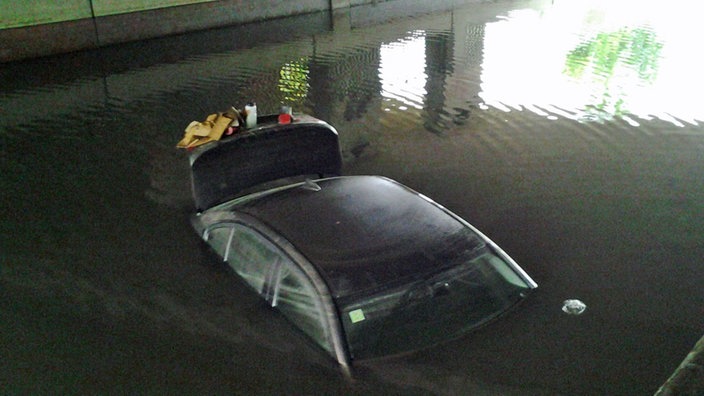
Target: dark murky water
{"x": 569, "y": 131}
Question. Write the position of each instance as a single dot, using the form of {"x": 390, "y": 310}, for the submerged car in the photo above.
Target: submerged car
{"x": 363, "y": 265}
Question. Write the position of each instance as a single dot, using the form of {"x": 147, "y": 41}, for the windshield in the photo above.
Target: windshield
{"x": 432, "y": 309}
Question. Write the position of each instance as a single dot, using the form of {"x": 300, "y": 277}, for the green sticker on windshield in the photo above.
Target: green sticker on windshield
{"x": 357, "y": 315}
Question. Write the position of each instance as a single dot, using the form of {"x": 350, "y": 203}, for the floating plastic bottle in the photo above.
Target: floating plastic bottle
{"x": 573, "y": 307}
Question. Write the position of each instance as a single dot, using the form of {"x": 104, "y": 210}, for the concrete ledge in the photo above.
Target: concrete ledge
{"x": 53, "y": 38}
{"x": 41, "y": 40}
{"x": 166, "y": 21}
{"x": 688, "y": 379}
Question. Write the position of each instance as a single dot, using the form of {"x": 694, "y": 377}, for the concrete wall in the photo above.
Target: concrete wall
{"x": 44, "y": 27}
{"x": 37, "y": 12}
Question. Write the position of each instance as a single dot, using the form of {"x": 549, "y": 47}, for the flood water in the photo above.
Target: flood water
{"x": 569, "y": 131}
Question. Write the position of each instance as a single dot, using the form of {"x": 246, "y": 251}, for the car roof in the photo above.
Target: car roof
{"x": 364, "y": 233}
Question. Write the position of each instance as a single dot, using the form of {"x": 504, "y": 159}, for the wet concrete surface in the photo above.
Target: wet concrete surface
{"x": 594, "y": 190}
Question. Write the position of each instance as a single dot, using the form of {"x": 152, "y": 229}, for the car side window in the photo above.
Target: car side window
{"x": 253, "y": 258}
{"x": 273, "y": 275}
{"x": 219, "y": 239}
{"x": 298, "y": 300}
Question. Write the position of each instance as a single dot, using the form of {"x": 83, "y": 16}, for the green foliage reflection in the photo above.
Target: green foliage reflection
{"x": 293, "y": 80}
{"x": 611, "y": 59}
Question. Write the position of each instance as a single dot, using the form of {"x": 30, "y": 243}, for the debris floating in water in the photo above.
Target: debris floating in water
{"x": 573, "y": 307}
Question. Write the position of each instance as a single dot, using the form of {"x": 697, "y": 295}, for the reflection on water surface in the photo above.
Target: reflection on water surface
{"x": 594, "y": 61}
{"x": 402, "y": 71}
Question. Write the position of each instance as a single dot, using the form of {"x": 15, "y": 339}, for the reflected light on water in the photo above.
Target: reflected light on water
{"x": 596, "y": 60}
{"x": 402, "y": 71}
